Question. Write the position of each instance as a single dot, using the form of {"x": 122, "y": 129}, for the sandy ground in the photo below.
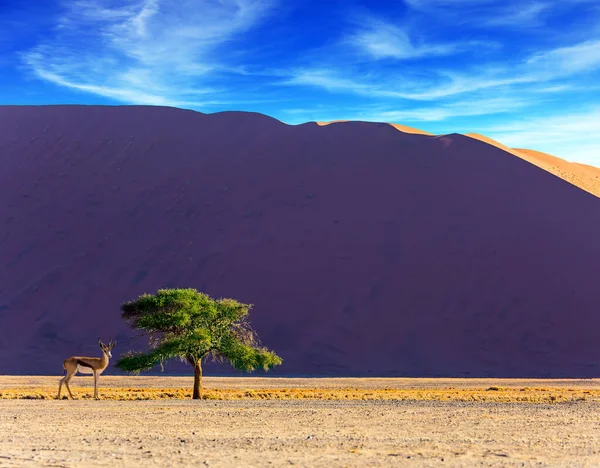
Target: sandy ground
{"x": 161, "y": 381}
{"x": 303, "y": 433}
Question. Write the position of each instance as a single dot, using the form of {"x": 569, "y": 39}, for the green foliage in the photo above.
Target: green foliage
{"x": 191, "y": 326}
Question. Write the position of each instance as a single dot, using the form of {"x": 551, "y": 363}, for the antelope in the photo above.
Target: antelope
{"x": 87, "y": 365}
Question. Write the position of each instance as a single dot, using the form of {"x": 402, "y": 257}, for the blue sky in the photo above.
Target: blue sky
{"x": 525, "y": 72}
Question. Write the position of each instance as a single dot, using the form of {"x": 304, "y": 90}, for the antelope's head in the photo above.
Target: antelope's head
{"x": 107, "y": 348}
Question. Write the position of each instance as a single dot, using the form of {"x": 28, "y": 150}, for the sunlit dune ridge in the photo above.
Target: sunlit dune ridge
{"x": 581, "y": 175}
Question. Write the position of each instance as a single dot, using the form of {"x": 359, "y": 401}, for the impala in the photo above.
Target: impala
{"x": 87, "y": 365}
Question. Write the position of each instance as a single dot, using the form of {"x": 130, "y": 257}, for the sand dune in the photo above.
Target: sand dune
{"x": 365, "y": 250}
{"x": 583, "y": 176}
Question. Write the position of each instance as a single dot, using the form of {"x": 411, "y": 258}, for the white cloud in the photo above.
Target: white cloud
{"x": 402, "y": 87}
{"x": 519, "y": 15}
{"x": 143, "y": 52}
{"x": 429, "y": 4}
{"x": 553, "y": 127}
{"x": 549, "y": 66}
{"x": 574, "y": 136}
{"x": 329, "y": 80}
{"x": 566, "y": 61}
{"x": 494, "y": 13}
{"x": 380, "y": 39}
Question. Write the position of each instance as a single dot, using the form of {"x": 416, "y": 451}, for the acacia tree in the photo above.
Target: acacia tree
{"x": 191, "y": 326}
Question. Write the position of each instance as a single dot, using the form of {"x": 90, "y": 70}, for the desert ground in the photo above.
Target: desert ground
{"x": 305, "y": 422}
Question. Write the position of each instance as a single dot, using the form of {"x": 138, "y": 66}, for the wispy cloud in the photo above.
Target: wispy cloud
{"x": 444, "y": 85}
{"x": 431, "y": 4}
{"x": 380, "y": 40}
{"x": 542, "y": 67}
{"x": 487, "y": 13}
{"x": 464, "y": 108}
{"x": 553, "y": 127}
{"x": 515, "y": 14}
{"x": 151, "y": 52}
{"x": 566, "y": 61}
{"x": 518, "y": 16}
{"x": 574, "y": 136}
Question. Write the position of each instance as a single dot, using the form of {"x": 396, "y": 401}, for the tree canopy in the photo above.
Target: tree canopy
{"x": 191, "y": 326}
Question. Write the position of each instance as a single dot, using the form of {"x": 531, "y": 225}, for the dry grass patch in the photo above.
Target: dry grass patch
{"x": 490, "y": 394}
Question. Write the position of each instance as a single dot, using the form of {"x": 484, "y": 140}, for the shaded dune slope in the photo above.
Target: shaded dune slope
{"x": 366, "y": 251}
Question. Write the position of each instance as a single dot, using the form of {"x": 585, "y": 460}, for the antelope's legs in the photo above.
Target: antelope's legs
{"x": 67, "y": 379}
{"x": 60, "y": 386}
{"x": 96, "y": 385}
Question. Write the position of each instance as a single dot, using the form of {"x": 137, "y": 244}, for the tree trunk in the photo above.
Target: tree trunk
{"x": 197, "y": 395}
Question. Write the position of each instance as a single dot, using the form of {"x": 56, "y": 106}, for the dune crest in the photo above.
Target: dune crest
{"x": 585, "y": 177}
{"x": 402, "y": 128}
